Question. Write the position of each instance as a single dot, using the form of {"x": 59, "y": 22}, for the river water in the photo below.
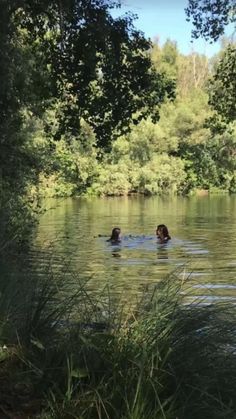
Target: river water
{"x": 202, "y": 249}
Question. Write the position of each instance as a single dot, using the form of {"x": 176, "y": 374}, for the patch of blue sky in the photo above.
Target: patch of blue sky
{"x": 166, "y": 19}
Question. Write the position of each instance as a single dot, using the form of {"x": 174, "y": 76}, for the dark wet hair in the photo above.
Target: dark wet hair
{"x": 164, "y": 230}
{"x": 115, "y": 233}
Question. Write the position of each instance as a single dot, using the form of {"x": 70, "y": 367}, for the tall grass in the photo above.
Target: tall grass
{"x": 71, "y": 355}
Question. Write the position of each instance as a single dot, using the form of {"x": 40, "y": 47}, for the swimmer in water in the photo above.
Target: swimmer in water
{"x": 162, "y": 233}
{"x": 115, "y": 235}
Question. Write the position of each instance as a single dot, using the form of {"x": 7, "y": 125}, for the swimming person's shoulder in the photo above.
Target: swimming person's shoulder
{"x": 113, "y": 241}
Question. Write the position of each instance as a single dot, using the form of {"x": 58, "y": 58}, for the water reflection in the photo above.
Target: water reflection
{"x": 162, "y": 252}
{"x": 70, "y": 231}
{"x": 116, "y": 253}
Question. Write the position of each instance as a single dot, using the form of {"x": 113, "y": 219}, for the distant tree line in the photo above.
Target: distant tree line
{"x": 89, "y": 106}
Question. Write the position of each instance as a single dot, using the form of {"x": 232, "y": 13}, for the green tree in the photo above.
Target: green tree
{"x": 210, "y": 17}
{"x": 23, "y": 93}
{"x": 143, "y": 141}
{"x": 70, "y": 56}
{"x": 165, "y": 58}
{"x": 193, "y": 73}
{"x": 222, "y": 86}
{"x": 211, "y": 164}
{"x": 101, "y": 65}
{"x": 71, "y": 165}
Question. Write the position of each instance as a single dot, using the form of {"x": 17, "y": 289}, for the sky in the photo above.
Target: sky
{"x": 166, "y": 19}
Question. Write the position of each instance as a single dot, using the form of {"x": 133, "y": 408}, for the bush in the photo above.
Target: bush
{"x": 111, "y": 181}
{"x": 163, "y": 174}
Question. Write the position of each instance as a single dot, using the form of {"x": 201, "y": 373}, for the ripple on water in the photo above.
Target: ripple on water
{"x": 66, "y": 237}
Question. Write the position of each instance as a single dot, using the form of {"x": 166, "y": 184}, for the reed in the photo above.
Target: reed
{"x": 71, "y": 355}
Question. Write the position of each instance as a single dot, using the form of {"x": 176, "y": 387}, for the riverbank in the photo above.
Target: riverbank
{"x": 69, "y": 355}
{"x": 56, "y": 187}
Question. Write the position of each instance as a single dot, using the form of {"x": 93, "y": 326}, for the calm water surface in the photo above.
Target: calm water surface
{"x": 203, "y": 244}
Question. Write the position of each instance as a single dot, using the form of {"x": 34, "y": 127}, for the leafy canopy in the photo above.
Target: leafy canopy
{"x": 99, "y": 67}
{"x": 210, "y": 17}
{"x": 222, "y": 86}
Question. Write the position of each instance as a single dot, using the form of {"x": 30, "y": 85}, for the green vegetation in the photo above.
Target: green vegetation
{"x": 110, "y": 117}
{"x": 89, "y": 106}
{"x": 191, "y": 147}
{"x": 115, "y": 116}
{"x": 54, "y": 80}
{"x": 223, "y": 86}
{"x": 74, "y": 356}
{"x": 211, "y": 17}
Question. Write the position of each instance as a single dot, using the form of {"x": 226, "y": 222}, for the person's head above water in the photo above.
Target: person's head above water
{"x": 115, "y": 234}
{"x": 162, "y": 233}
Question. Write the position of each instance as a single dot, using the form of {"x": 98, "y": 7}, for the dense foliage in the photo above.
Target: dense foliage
{"x": 210, "y": 17}
{"x": 223, "y": 85}
{"x": 62, "y": 65}
{"x": 87, "y": 107}
{"x": 97, "y": 67}
{"x": 184, "y": 150}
